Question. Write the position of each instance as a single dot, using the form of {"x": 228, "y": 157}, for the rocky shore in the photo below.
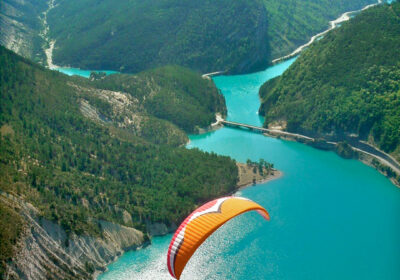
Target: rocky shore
{"x": 352, "y": 149}
{"x": 46, "y": 251}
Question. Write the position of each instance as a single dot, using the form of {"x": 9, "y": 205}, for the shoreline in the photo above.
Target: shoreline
{"x": 385, "y": 163}
{"x": 210, "y": 128}
{"x": 363, "y": 156}
{"x": 215, "y": 126}
{"x": 277, "y": 175}
{"x": 333, "y": 24}
{"x": 247, "y": 184}
{"x": 208, "y": 76}
{"x": 249, "y": 175}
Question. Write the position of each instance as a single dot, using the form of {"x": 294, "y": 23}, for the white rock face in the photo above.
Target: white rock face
{"x": 45, "y": 251}
{"x": 19, "y": 25}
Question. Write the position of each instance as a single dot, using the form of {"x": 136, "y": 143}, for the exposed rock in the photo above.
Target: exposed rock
{"x": 126, "y": 217}
{"x": 47, "y": 252}
{"x": 125, "y": 111}
{"x": 20, "y": 27}
{"x": 344, "y": 150}
{"x": 89, "y": 111}
{"x": 158, "y": 229}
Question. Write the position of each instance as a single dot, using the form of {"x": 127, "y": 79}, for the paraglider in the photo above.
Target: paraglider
{"x": 200, "y": 224}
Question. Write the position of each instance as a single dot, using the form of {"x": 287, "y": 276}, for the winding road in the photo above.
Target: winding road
{"x": 333, "y": 24}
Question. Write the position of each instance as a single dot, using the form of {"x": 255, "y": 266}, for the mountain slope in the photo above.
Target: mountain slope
{"x": 293, "y": 22}
{"x": 171, "y": 93}
{"x": 20, "y": 27}
{"x": 347, "y": 84}
{"x": 137, "y": 35}
{"x": 236, "y": 36}
{"x": 71, "y": 155}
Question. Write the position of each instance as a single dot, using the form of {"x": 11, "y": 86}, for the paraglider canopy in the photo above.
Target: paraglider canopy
{"x": 200, "y": 224}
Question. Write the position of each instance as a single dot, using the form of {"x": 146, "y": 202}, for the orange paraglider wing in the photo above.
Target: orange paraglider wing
{"x": 201, "y": 224}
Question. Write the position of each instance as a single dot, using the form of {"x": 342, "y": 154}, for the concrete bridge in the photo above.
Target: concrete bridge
{"x": 245, "y": 126}
{"x": 359, "y": 146}
{"x": 273, "y": 132}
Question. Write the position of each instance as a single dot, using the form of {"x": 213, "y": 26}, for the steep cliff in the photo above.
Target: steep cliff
{"x": 46, "y": 251}
{"x": 21, "y": 25}
{"x": 74, "y": 150}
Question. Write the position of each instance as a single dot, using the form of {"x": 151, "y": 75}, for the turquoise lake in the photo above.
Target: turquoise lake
{"x": 331, "y": 218}
{"x": 84, "y": 73}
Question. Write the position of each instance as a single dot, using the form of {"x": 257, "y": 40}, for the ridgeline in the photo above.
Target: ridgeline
{"x": 235, "y": 36}
{"x": 345, "y": 86}
{"x": 85, "y": 154}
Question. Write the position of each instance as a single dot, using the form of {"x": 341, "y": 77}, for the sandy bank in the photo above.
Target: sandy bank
{"x": 209, "y": 75}
{"x": 212, "y": 127}
{"x": 249, "y": 176}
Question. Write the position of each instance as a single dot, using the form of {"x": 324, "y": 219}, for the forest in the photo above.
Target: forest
{"x": 78, "y": 169}
{"x": 291, "y": 23}
{"x": 234, "y": 36}
{"x": 346, "y": 84}
{"x": 172, "y": 93}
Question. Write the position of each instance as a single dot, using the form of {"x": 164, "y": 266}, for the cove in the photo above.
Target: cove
{"x": 84, "y": 73}
{"x": 331, "y": 218}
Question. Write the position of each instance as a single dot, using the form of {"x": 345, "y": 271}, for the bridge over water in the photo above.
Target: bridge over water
{"x": 357, "y": 145}
{"x": 274, "y": 132}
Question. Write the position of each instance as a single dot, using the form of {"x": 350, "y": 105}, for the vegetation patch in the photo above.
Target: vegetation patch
{"x": 345, "y": 85}
{"x": 235, "y": 36}
{"x": 77, "y": 170}
{"x": 11, "y": 226}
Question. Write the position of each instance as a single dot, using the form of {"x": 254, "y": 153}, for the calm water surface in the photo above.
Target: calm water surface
{"x": 84, "y": 73}
{"x": 330, "y": 218}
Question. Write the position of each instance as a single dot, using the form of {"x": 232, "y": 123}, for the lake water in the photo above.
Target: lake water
{"x": 331, "y": 218}
{"x": 84, "y": 73}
